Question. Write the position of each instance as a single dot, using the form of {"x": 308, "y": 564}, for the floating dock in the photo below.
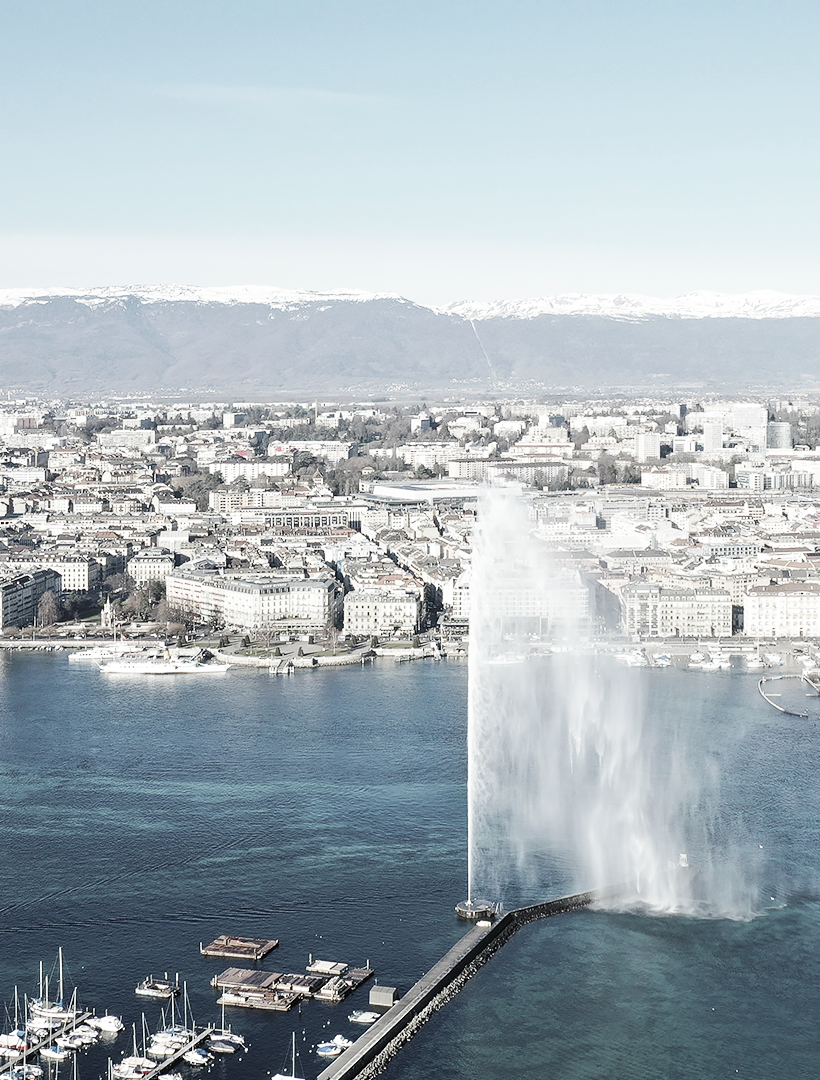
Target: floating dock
{"x": 251, "y": 988}
{"x": 240, "y": 948}
{"x": 767, "y": 697}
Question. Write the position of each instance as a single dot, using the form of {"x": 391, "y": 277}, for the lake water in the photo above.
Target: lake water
{"x": 139, "y": 817}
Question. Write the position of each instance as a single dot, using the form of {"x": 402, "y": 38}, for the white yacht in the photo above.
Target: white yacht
{"x": 177, "y": 665}
{"x": 113, "y": 650}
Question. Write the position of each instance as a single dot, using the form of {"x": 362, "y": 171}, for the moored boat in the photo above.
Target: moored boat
{"x": 158, "y": 988}
{"x": 362, "y": 1016}
{"x": 159, "y": 666}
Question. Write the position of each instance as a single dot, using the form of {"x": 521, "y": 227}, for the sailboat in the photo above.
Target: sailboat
{"x": 225, "y": 1035}
{"x": 292, "y": 1074}
{"x": 41, "y": 1008}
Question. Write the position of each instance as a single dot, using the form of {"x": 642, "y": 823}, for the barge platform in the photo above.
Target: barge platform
{"x": 239, "y": 948}
{"x": 252, "y": 988}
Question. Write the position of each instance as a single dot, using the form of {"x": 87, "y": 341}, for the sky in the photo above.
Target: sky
{"x": 442, "y": 151}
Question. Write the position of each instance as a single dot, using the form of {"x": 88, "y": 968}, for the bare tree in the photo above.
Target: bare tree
{"x": 48, "y": 610}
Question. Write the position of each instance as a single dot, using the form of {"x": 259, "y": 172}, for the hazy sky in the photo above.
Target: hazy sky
{"x": 439, "y": 150}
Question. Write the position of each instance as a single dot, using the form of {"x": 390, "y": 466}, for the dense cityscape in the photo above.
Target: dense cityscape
{"x": 343, "y": 525}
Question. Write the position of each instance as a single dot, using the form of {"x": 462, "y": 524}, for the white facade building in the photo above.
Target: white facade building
{"x": 788, "y": 610}
{"x": 150, "y": 564}
{"x": 78, "y": 573}
{"x": 377, "y": 613}
{"x": 255, "y": 601}
{"x": 650, "y": 610}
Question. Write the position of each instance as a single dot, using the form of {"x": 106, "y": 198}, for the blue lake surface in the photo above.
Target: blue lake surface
{"x": 139, "y": 817}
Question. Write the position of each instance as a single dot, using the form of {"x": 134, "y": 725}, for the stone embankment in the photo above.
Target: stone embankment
{"x": 370, "y": 1053}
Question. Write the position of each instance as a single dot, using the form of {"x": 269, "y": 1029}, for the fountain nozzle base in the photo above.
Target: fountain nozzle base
{"x": 475, "y": 909}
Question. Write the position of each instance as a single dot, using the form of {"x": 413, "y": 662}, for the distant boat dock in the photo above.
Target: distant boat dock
{"x": 251, "y": 988}
{"x": 240, "y": 948}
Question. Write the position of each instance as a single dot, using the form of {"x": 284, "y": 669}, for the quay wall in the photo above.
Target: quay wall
{"x": 371, "y": 1052}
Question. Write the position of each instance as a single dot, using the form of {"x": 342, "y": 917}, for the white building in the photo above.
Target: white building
{"x": 650, "y": 610}
{"x": 127, "y": 439}
{"x": 665, "y": 478}
{"x": 708, "y": 477}
{"x": 150, "y": 564}
{"x": 712, "y": 437}
{"x": 78, "y": 573}
{"x": 381, "y": 613}
{"x": 255, "y": 601}
{"x": 647, "y": 445}
{"x": 788, "y": 610}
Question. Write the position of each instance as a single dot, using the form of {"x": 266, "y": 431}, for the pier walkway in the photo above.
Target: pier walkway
{"x": 371, "y": 1052}
{"x": 169, "y": 1062}
{"x": 35, "y": 1048}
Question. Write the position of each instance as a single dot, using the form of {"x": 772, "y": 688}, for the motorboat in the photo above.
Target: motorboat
{"x": 69, "y": 1042}
{"x": 197, "y": 1056}
{"x": 663, "y": 660}
{"x": 108, "y": 1023}
{"x": 334, "y": 1047}
{"x": 56, "y": 1053}
{"x": 160, "y": 1049}
{"x": 158, "y": 988}
{"x": 163, "y": 666}
{"x": 362, "y": 1016}
{"x": 86, "y": 1033}
{"x": 25, "y": 1072}
{"x": 221, "y": 1046}
{"x": 132, "y": 1067}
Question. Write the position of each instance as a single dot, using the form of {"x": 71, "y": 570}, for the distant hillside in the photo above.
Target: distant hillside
{"x": 253, "y": 340}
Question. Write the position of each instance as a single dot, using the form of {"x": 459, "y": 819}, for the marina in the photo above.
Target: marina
{"x": 43, "y": 1043}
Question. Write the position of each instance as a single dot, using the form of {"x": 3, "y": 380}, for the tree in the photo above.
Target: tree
{"x": 48, "y": 610}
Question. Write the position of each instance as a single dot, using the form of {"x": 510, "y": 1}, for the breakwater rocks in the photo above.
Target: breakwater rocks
{"x": 371, "y": 1053}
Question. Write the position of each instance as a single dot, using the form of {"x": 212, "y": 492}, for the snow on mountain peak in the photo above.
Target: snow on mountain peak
{"x": 283, "y": 299}
{"x": 632, "y": 307}
{"x": 627, "y": 307}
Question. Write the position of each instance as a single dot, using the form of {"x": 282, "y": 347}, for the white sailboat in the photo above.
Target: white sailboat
{"x": 41, "y": 1008}
{"x": 292, "y": 1074}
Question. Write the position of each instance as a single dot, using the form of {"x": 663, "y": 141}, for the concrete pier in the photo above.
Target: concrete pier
{"x": 370, "y": 1053}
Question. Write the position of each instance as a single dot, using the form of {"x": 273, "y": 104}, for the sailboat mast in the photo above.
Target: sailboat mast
{"x": 60, "y": 955}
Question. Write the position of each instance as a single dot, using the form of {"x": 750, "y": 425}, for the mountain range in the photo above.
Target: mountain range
{"x": 259, "y": 342}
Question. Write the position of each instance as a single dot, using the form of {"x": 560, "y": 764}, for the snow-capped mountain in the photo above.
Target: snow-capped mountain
{"x": 282, "y": 299}
{"x": 764, "y": 304}
{"x": 257, "y": 340}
